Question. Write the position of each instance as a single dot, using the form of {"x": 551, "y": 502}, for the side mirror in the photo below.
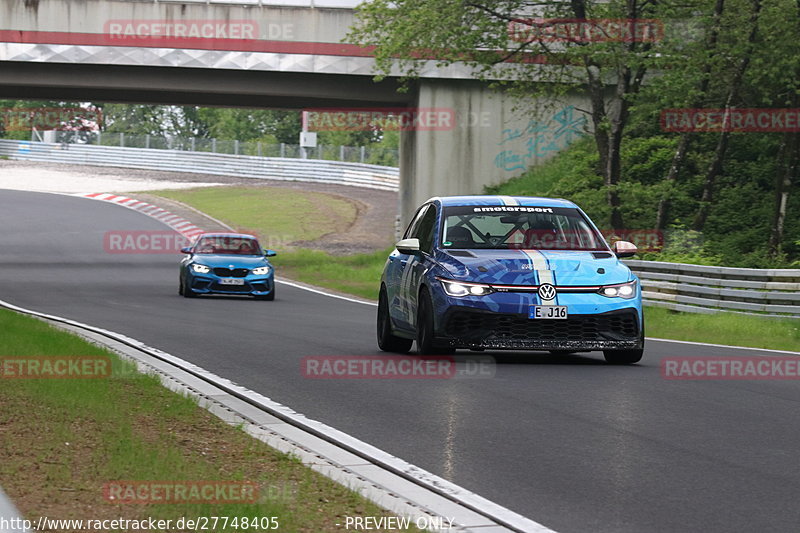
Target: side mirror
{"x": 186, "y": 250}
{"x": 270, "y": 253}
{"x": 624, "y": 249}
{"x": 408, "y": 246}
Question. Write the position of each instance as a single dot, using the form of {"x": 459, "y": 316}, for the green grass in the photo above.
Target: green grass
{"x": 63, "y": 439}
{"x": 358, "y": 274}
{"x": 724, "y": 328}
{"x": 277, "y": 215}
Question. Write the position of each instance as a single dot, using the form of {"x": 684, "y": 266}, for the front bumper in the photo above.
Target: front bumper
{"x": 473, "y": 328}
{"x": 211, "y": 284}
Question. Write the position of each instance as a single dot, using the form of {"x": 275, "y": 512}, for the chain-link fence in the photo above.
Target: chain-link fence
{"x": 375, "y": 155}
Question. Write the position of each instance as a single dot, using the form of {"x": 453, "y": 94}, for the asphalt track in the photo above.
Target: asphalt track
{"x": 572, "y": 443}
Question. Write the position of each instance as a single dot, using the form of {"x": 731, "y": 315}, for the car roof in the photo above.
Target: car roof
{"x": 447, "y": 201}
{"x": 223, "y": 234}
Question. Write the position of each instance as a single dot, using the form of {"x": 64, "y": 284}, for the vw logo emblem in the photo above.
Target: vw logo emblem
{"x": 547, "y": 291}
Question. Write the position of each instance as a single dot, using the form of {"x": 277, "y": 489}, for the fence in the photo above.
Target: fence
{"x": 710, "y": 289}
{"x": 374, "y": 155}
{"x": 241, "y": 166}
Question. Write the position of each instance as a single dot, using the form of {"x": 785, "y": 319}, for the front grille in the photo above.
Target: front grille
{"x": 230, "y": 288}
{"x": 476, "y": 326}
{"x": 231, "y": 273}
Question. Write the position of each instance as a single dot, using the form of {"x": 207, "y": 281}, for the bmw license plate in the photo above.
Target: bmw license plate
{"x": 231, "y": 281}
{"x": 548, "y": 311}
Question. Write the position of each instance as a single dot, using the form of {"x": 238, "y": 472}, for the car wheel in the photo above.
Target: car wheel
{"x": 386, "y": 341}
{"x": 425, "y": 343}
{"x": 269, "y": 297}
{"x": 180, "y": 287}
{"x": 187, "y": 292}
{"x": 623, "y": 357}
{"x": 626, "y": 357}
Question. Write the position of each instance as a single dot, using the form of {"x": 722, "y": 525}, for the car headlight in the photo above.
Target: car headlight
{"x": 457, "y": 288}
{"x": 200, "y": 269}
{"x": 262, "y": 271}
{"x": 623, "y": 290}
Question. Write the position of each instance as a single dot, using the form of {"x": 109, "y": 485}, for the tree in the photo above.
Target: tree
{"x": 530, "y": 63}
{"x": 731, "y": 100}
{"x": 696, "y": 99}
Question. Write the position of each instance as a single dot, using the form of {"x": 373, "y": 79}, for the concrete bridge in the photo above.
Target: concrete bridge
{"x": 261, "y": 53}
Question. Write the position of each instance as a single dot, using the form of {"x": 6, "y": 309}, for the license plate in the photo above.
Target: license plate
{"x": 548, "y": 311}
{"x": 231, "y": 281}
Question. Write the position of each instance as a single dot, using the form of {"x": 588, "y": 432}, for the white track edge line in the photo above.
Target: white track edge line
{"x": 656, "y": 339}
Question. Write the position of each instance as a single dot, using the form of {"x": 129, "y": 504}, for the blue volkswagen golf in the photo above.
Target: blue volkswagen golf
{"x": 516, "y": 273}
{"x": 227, "y": 263}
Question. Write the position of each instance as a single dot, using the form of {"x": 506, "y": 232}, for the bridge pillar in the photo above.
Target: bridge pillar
{"x": 493, "y": 137}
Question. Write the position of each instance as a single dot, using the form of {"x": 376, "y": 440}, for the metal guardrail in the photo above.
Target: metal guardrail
{"x": 710, "y": 289}
{"x": 241, "y": 166}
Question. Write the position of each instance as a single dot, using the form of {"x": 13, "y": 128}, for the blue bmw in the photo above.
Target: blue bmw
{"x": 227, "y": 263}
{"x": 517, "y": 273}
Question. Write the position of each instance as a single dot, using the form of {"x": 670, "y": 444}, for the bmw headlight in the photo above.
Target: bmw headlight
{"x": 457, "y": 288}
{"x": 262, "y": 271}
{"x": 200, "y": 269}
{"x": 623, "y": 290}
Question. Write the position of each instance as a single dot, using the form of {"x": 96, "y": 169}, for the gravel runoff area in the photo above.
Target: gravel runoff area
{"x": 374, "y": 228}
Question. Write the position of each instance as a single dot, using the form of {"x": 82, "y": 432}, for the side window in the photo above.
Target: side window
{"x": 426, "y": 229}
{"x": 412, "y": 227}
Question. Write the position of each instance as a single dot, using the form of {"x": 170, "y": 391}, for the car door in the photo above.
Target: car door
{"x": 395, "y": 276}
{"x": 418, "y": 264}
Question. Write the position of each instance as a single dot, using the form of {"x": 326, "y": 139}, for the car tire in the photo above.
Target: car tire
{"x": 626, "y": 357}
{"x": 388, "y": 342}
{"x": 187, "y": 292}
{"x": 269, "y": 297}
{"x": 180, "y": 287}
{"x": 623, "y": 357}
{"x": 425, "y": 342}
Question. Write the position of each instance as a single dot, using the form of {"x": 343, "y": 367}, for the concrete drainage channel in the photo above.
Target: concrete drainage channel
{"x": 390, "y": 482}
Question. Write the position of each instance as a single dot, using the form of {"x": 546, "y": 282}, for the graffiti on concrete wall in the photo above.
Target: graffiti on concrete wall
{"x": 540, "y": 138}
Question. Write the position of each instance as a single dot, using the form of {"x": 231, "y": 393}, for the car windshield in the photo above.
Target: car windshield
{"x": 227, "y": 246}
{"x": 518, "y": 227}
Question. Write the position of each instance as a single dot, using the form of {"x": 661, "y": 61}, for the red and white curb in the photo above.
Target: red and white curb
{"x": 181, "y": 225}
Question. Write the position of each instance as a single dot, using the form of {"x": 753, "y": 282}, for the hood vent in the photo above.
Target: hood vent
{"x": 460, "y": 253}
{"x": 601, "y": 255}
